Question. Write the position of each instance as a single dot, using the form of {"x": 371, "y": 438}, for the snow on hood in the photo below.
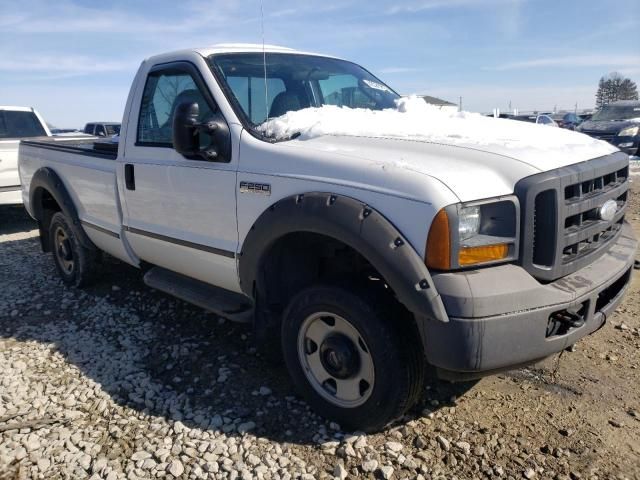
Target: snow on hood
{"x": 413, "y": 118}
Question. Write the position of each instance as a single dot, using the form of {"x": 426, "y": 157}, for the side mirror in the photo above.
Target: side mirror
{"x": 187, "y": 134}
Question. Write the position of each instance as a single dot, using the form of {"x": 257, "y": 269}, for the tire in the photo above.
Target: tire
{"x": 356, "y": 366}
{"x": 75, "y": 263}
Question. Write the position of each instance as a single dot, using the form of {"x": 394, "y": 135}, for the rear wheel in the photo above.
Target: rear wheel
{"x": 347, "y": 357}
{"x": 75, "y": 263}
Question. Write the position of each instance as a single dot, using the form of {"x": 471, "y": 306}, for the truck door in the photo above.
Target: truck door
{"x": 180, "y": 213}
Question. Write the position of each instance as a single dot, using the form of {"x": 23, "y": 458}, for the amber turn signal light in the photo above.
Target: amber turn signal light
{"x": 439, "y": 243}
{"x": 486, "y": 253}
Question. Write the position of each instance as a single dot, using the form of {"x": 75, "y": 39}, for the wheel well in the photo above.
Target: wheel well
{"x": 46, "y": 208}
{"x": 299, "y": 260}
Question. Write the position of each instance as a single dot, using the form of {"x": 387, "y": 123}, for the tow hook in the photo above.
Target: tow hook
{"x": 562, "y": 321}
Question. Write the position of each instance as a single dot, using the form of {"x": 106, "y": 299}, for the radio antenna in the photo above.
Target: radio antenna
{"x": 264, "y": 63}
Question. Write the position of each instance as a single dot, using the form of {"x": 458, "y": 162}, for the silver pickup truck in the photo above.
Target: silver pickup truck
{"x": 363, "y": 235}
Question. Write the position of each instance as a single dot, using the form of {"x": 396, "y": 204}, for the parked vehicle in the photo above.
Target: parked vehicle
{"x": 535, "y": 118}
{"x": 542, "y": 119}
{"x": 567, "y": 120}
{"x": 63, "y": 131}
{"x": 102, "y": 129}
{"x": 617, "y": 123}
{"x": 16, "y": 123}
{"x": 360, "y": 258}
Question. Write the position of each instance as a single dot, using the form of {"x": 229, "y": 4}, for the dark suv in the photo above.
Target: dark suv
{"x": 618, "y": 123}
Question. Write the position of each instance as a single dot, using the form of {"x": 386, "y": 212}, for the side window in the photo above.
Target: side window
{"x": 344, "y": 91}
{"x": 100, "y": 131}
{"x": 89, "y": 128}
{"x": 163, "y": 92}
{"x": 249, "y": 91}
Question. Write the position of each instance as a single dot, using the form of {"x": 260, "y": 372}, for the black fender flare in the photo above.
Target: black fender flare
{"x": 357, "y": 225}
{"x": 47, "y": 180}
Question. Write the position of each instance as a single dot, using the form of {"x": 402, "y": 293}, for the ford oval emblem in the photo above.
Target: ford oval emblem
{"x": 608, "y": 210}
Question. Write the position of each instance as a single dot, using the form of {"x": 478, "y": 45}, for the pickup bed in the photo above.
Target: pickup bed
{"x": 362, "y": 246}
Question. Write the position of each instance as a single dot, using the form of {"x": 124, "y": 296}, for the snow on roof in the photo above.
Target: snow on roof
{"x": 414, "y": 119}
{"x": 16, "y": 109}
{"x": 245, "y": 47}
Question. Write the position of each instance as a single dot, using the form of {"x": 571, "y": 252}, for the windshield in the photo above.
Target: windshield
{"x": 294, "y": 82}
{"x": 112, "y": 129}
{"x": 617, "y": 112}
{"x": 19, "y": 124}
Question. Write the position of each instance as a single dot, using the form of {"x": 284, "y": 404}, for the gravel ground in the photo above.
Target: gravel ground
{"x": 118, "y": 381}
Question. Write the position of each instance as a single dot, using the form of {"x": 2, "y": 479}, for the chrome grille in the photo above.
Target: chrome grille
{"x": 561, "y": 225}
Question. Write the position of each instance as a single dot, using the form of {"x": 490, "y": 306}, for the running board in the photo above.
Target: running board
{"x": 224, "y": 303}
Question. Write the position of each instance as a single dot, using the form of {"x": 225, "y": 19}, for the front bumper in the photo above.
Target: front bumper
{"x": 10, "y": 195}
{"x": 499, "y": 316}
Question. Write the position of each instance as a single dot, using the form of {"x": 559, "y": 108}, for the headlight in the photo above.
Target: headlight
{"x": 468, "y": 222}
{"x": 472, "y": 234}
{"x": 629, "y": 132}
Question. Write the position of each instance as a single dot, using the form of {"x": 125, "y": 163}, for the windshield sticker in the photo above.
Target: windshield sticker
{"x": 376, "y": 85}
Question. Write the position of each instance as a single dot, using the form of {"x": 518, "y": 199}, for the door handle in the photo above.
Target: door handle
{"x": 129, "y": 177}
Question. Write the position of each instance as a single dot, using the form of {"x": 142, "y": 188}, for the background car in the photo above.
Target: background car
{"x": 617, "y": 123}
{"x": 102, "y": 129}
{"x": 567, "y": 120}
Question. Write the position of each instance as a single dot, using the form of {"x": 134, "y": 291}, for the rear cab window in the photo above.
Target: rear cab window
{"x": 19, "y": 124}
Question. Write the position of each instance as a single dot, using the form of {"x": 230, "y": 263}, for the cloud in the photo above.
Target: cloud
{"x": 616, "y": 61}
{"x": 394, "y": 70}
{"x": 67, "y": 64}
{"x": 420, "y": 6}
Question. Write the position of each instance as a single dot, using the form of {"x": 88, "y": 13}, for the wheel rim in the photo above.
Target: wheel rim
{"x": 64, "y": 253}
{"x": 335, "y": 359}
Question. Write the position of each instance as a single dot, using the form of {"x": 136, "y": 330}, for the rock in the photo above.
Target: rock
{"x": 246, "y": 427}
{"x": 566, "y": 432}
{"x": 369, "y": 465}
{"x": 444, "y": 443}
{"x": 340, "y": 472}
{"x": 361, "y": 442}
{"x": 264, "y": 391}
{"x": 141, "y": 455}
{"x": 615, "y": 423}
{"x": 479, "y": 451}
{"x": 394, "y": 446}
{"x": 529, "y": 473}
{"x": 253, "y": 460}
{"x": 386, "y": 472}
{"x": 464, "y": 446}
{"x": 175, "y": 468}
{"x": 622, "y": 326}
{"x": 420, "y": 442}
{"x": 43, "y": 464}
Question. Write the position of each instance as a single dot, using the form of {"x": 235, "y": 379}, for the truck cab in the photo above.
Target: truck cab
{"x": 16, "y": 123}
{"x": 362, "y": 235}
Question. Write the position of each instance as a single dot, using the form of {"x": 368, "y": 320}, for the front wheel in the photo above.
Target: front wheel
{"x": 348, "y": 358}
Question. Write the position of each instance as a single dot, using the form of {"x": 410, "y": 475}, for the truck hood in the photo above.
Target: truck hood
{"x": 474, "y": 156}
{"x": 471, "y": 171}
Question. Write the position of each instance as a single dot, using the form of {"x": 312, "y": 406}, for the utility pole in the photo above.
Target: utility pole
{"x": 460, "y": 104}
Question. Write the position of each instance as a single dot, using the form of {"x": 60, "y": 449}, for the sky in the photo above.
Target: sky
{"x": 74, "y": 60}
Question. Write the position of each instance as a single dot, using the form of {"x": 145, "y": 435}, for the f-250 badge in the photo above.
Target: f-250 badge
{"x": 259, "y": 188}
